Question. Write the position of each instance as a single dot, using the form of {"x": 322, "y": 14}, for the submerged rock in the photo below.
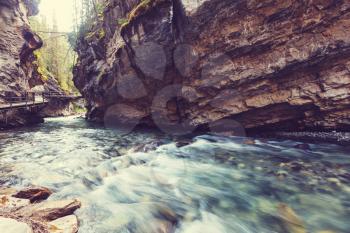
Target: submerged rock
{"x": 334, "y": 181}
{"x": 291, "y": 220}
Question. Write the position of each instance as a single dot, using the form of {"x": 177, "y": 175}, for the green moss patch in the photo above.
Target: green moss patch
{"x": 142, "y": 8}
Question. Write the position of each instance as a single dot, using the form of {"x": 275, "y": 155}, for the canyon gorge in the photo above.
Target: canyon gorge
{"x": 175, "y": 116}
{"x": 19, "y": 69}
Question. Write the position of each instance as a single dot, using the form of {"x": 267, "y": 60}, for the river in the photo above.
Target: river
{"x": 143, "y": 183}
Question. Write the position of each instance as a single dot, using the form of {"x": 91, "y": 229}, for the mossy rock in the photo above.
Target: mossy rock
{"x": 141, "y": 9}
{"x": 90, "y": 35}
{"x": 101, "y": 34}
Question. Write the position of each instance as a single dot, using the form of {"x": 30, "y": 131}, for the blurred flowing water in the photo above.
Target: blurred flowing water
{"x": 143, "y": 183}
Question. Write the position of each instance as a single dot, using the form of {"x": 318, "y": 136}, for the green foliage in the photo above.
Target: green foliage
{"x": 89, "y": 35}
{"x": 123, "y": 21}
{"x": 101, "y": 34}
{"x": 40, "y": 62}
{"x": 142, "y": 7}
{"x": 78, "y": 108}
{"x": 100, "y": 7}
{"x": 56, "y": 57}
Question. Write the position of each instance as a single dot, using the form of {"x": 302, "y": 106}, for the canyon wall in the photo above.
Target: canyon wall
{"x": 18, "y": 70}
{"x": 19, "y": 67}
{"x": 181, "y": 64}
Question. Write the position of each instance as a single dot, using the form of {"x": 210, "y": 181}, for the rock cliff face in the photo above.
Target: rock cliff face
{"x": 18, "y": 71}
{"x": 263, "y": 65}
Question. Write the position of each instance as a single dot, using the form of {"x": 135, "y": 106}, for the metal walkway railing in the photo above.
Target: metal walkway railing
{"x": 29, "y": 99}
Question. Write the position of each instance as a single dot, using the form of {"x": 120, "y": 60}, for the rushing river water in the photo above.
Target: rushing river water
{"x": 144, "y": 183}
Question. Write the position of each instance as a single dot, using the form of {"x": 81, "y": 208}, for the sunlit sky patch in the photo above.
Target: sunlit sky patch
{"x": 63, "y": 9}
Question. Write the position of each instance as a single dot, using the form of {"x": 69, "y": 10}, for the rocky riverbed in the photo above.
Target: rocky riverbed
{"x": 147, "y": 182}
{"x": 27, "y": 211}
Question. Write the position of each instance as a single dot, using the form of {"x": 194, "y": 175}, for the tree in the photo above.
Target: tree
{"x": 56, "y": 57}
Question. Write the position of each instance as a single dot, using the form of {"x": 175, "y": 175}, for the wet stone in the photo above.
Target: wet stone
{"x": 67, "y": 224}
{"x": 51, "y": 210}
{"x": 334, "y": 181}
{"x": 291, "y": 220}
{"x": 17, "y": 206}
{"x": 8, "y": 225}
{"x": 34, "y": 194}
{"x": 249, "y": 142}
{"x": 12, "y": 202}
{"x": 7, "y": 191}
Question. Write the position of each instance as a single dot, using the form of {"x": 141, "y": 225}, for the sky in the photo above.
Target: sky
{"x": 63, "y": 10}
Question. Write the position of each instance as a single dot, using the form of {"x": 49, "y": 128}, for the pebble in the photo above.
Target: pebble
{"x": 334, "y": 181}
{"x": 34, "y": 194}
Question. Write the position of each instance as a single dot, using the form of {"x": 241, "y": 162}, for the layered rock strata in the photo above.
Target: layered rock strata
{"x": 259, "y": 65}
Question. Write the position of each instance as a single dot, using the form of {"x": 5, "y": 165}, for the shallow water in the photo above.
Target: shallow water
{"x": 144, "y": 183}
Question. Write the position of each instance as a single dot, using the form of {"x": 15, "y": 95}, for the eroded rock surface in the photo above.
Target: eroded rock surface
{"x": 8, "y": 225}
{"x": 68, "y": 224}
{"x": 270, "y": 64}
{"x": 50, "y": 210}
{"x": 18, "y": 70}
{"x": 17, "y": 214}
